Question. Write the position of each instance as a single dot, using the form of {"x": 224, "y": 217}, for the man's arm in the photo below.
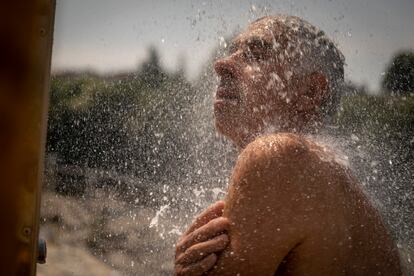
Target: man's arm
{"x": 266, "y": 206}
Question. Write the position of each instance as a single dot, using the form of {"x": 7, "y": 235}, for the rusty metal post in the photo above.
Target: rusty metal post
{"x": 26, "y": 30}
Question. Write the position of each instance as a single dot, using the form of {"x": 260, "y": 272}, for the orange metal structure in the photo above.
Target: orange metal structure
{"x": 26, "y": 30}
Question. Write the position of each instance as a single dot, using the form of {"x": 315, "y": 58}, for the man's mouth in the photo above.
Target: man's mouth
{"x": 226, "y": 94}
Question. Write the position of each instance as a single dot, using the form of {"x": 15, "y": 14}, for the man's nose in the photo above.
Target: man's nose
{"x": 227, "y": 67}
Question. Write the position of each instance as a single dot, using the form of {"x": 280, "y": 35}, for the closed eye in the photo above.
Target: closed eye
{"x": 257, "y": 49}
{"x": 233, "y": 48}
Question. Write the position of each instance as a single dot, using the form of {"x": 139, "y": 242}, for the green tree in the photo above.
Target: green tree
{"x": 132, "y": 122}
{"x": 150, "y": 71}
{"x": 399, "y": 76}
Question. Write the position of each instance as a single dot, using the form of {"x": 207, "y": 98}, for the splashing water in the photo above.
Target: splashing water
{"x": 160, "y": 212}
{"x": 174, "y": 165}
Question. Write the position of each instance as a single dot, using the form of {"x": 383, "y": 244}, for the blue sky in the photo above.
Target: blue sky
{"x": 110, "y": 35}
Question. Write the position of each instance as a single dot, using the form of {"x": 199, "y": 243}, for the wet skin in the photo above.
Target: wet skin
{"x": 292, "y": 208}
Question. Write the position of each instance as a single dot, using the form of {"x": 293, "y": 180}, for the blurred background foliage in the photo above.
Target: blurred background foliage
{"x": 399, "y": 76}
{"x": 129, "y": 122}
{"x": 385, "y": 119}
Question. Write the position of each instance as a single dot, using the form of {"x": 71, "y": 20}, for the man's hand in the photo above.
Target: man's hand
{"x": 197, "y": 248}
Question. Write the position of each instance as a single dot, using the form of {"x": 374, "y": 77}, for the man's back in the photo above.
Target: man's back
{"x": 295, "y": 210}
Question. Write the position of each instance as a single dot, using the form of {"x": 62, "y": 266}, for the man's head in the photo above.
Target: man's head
{"x": 282, "y": 74}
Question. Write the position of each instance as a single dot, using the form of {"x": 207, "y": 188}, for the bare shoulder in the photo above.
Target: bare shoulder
{"x": 282, "y": 146}
{"x": 278, "y": 144}
{"x": 283, "y": 158}
{"x": 289, "y": 147}
{"x": 282, "y": 150}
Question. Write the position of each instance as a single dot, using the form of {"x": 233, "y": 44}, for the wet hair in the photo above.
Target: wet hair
{"x": 309, "y": 50}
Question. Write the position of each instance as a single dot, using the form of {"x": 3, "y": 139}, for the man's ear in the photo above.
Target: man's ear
{"x": 316, "y": 88}
{"x": 318, "y": 82}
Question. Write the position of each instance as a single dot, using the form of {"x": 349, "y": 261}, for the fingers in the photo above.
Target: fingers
{"x": 198, "y": 268}
{"x": 213, "y": 228}
{"x": 202, "y": 239}
{"x": 200, "y": 250}
{"x": 213, "y": 211}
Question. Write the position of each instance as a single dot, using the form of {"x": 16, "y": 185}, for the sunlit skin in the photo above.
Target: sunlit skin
{"x": 292, "y": 208}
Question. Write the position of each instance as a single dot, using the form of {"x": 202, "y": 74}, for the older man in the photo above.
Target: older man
{"x": 293, "y": 207}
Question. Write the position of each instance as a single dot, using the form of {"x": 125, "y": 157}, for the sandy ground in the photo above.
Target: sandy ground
{"x": 66, "y": 260}
{"x": 101, "y": 235}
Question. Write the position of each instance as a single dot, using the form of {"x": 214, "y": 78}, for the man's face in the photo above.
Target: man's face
{"x": 252, "y": 92}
